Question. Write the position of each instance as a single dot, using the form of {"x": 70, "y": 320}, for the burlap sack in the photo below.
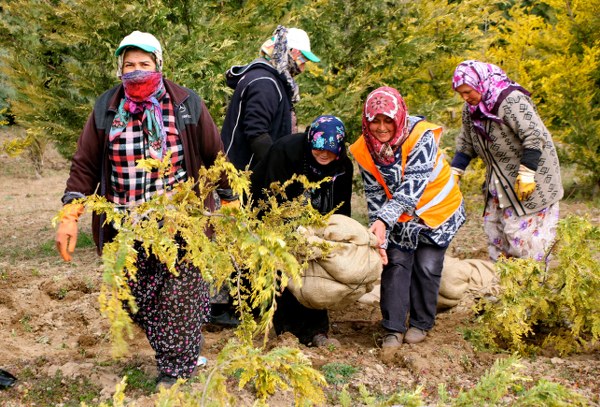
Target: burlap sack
{"x": 348, "y": 272}
{"x": 462, "y": 277}
{"x": 459, "y": 278}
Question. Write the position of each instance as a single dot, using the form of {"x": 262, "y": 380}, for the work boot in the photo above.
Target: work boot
{"x": 392, "y": 339}
{"x": 415, "y": 335}
{"x": 226, "y": 319}
{"x": 320, "y": 340}
{"x": 165, "y": 381}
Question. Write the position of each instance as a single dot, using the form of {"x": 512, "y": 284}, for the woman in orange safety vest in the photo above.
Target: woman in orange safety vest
{"x": 415, "y": 209}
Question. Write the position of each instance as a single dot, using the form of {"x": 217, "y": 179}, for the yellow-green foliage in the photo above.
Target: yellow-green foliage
{"x": 33, "y": 144}
{"x": 555, "y": 307}
{"x": 57, "y": 60}
{"x": 264, "y": 253}
{"x": 503, "y": 385}
{"x": 505, "y": 379}
{"x": 280, "y": 369}
{"x": 471, "y": 186}
{"x": 14, "y": 147}
{"x": 556, "y": 55}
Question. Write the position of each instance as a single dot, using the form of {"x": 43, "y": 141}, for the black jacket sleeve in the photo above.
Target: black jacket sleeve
{"x": 343, "y": 187}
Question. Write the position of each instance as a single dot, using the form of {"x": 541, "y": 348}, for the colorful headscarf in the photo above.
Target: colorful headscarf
{"x": 490, "y": 81}
{"x": 275, "y": 50}
{"x": 327, "y": 133}
{"x": 389, "y": 102}
{"x": 143, "y": 90}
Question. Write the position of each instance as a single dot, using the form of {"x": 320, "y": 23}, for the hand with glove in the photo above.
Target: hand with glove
{"x": 230, "y": 204}
{"x": 525, "y": 184}
{"x": 66, "y": 234}
{"x": 457, "y": 173}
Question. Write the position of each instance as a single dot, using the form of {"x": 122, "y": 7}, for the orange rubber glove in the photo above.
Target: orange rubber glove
{"x": 231, "y": 204}
{"x": 66, "y": 233}
{"x": 525, "y": 184}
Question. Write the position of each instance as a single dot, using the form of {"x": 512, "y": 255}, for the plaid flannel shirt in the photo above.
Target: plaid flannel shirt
{"x": 132, "y": 185}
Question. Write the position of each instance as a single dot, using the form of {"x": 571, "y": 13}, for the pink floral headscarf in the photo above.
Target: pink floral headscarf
{"x": 389, "y": 102}
{"x": 490, "y": 81}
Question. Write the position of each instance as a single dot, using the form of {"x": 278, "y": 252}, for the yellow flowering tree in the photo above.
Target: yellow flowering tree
{"x": 557, "y": 57}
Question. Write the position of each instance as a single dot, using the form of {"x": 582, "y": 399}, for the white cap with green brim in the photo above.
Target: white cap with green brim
{"x": 298, "y": 39}
{"x": 145, "y": 41}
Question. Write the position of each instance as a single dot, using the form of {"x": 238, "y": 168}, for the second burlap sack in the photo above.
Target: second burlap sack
{"x": 460, "y": 278}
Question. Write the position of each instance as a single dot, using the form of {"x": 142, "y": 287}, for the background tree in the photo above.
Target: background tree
{"x": 59, "y": 57}
{"x": 556, "y": 55}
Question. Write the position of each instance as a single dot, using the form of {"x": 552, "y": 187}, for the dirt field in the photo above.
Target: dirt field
{"x": 50, "y": 325}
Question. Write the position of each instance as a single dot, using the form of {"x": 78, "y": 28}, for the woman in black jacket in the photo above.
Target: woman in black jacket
{"x": 261, "y": 109}
{"x": 317, "y": 153}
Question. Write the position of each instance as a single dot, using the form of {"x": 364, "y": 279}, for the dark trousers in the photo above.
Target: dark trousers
{"x": 303, "y": 322}
{"x": 410, "y": 284}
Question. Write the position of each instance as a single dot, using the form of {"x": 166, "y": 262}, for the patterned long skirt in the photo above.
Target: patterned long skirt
{"x": 528, "y": 236}
{"x": 171, "y": 311}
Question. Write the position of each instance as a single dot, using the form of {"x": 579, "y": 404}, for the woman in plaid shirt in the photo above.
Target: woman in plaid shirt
{"x": 147, "y": 116}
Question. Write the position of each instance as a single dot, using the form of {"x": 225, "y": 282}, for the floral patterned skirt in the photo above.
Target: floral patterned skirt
{"x": 171, "y": 311}
{"x": 528, "y": 236}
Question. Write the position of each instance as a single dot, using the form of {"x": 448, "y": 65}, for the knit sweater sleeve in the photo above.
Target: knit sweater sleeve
{"x": 519, "y": 113}
{"x": 464, "y": 142}
{"x": 374, "y": 194}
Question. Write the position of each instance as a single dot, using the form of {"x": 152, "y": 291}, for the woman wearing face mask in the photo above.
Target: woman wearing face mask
{"x": 523, "y": 183}
{"x": 145, "y": 116}
{"x": 415, "y": 209}
{"x": 317, "y": 153}
{"x": 260, "y": 112}
{"x": 261, "y": 109}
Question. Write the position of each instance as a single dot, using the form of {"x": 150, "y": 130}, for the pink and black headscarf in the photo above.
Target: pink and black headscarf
{"x": 491, "y": 82}
{"x": 388, "y": 102}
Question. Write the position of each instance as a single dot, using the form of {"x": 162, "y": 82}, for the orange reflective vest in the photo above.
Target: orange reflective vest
{"x": 441, "y": 197}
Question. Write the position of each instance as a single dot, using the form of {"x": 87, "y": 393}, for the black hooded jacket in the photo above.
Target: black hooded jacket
{"x": 259, "y": 113}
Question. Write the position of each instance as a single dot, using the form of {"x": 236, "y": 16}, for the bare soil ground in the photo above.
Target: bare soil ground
{"x": 51, "y": 327}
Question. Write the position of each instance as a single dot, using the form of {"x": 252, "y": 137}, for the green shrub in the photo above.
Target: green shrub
{"x": 549, "y": 307}
{"x": 338, "y": 373}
